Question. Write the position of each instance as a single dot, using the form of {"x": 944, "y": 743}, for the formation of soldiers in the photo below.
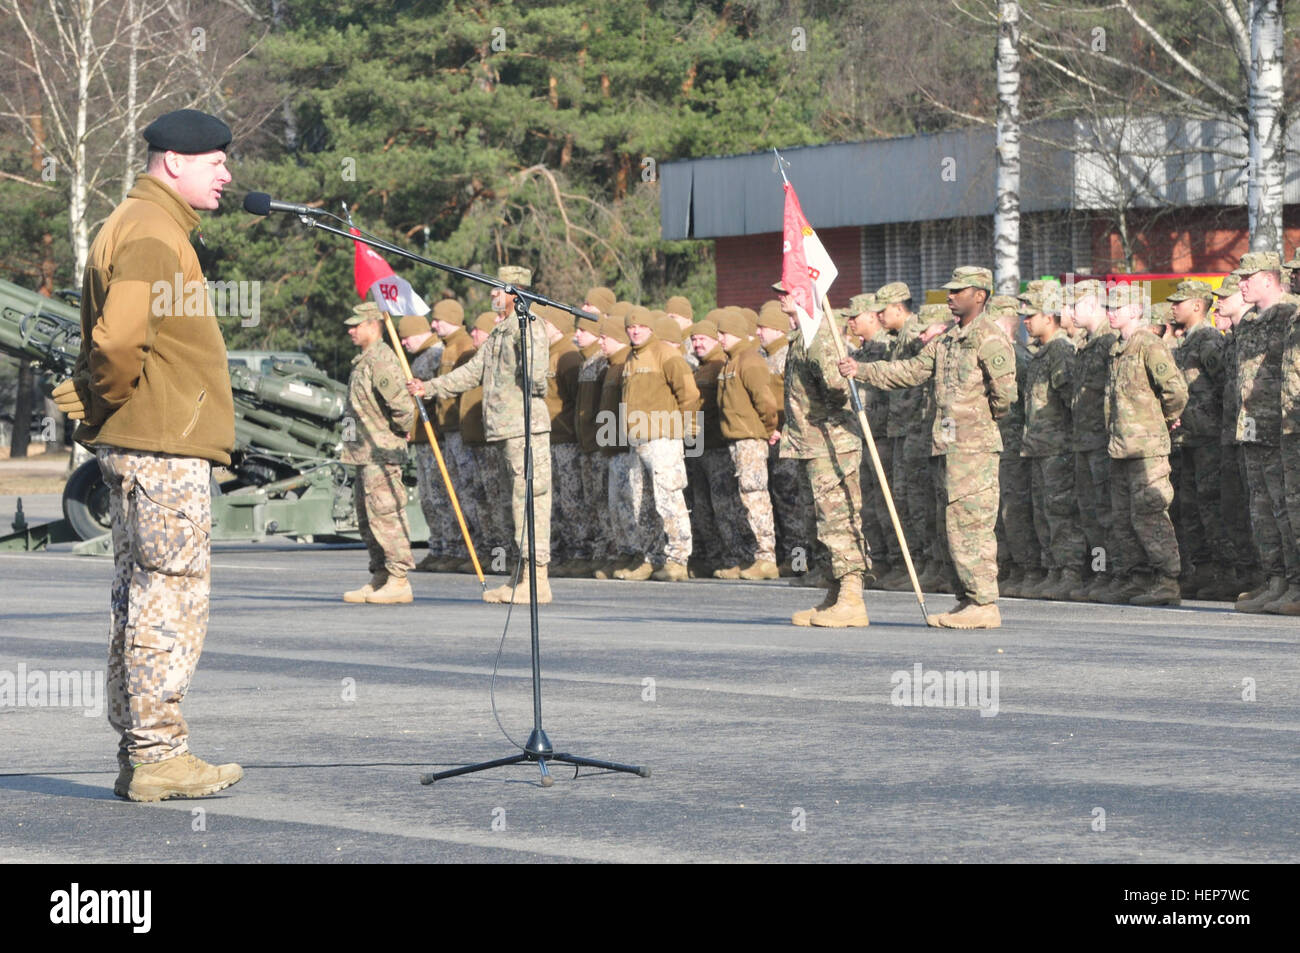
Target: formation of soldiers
{"x": 1124, "y": 452}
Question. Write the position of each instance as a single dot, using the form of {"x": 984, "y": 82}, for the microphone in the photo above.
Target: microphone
{"x": 259, "y": 203}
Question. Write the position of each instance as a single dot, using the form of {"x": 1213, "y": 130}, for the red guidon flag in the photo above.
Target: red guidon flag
{"x": 806, "y": 270}
{"x": 376, "y": 280}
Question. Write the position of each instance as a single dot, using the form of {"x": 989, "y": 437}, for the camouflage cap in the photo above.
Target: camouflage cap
{"x": 1049, "y": 293}
{"x": 413, "y": 325}
{"x": 1254, "y": 261}
{"x": 968, "y": 276}
{"x": 1162, "y": 312}
{"x": 1191, "y": 288}
{"x": 600, "y": 298}
{"x": 486, "y": 321}
{"x": 679, "y": 304}
{"x": 1001, "y": 306}
{"x": 893, "y": 293}
{"x": 1030, "y": 302}
{"x": 771, "y": 316}
{"x": 936, "y": 313}
{"x": 515, "y": 275}
{"x": 1123, "y": 294}
{"x": 860, "y": 303}
{"x": 1228, "y": 287}
{"x": 365, "y": 311}
{"x": 1089, "y": 286}
{"x": 449, "y": 310}
{"x": 705, "y": 327}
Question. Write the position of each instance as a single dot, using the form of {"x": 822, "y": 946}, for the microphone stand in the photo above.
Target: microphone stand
{"x": 539, "y": 748}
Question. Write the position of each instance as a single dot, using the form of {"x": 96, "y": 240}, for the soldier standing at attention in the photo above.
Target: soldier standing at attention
{"x": 1049, "y": 388}
{"x": 749, "y": 421}
{"x": 821, "y": 430}
{"x": 1196, "y": 440}
{"x": 152, "y": 391}
{"x": 678, "y": 309}
{"x": 712, "y": 481}
{"x": 564, "y": 365}
{"x": 877, "y": 343}
{"x": 593, "y": 532}
{"x": 492, "y": 529}
{"x": 1290, "y": 442}
{"x": 974, "y": 373}
{"x": 497, "y": 366}
{"x": 612, "y": 440}
{"x": 1261, "y": 340}
{"x": 422, "y": 345}
{"x": 1145, "y": 393}
{"x": 381, "y": 415}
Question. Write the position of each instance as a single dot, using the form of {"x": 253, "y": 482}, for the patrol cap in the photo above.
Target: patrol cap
{"x": 1121, "y": 295}
{"x": 365, "y": 311}
{"x": 515, "y": 275}
{"x": 893, "y": 293}
{"x": 613, "y": 328}
{"x": 1228, "y": 287}
{"x": 620, "y": 309}
{"x": 1002, "y": 306}
{"x": 860, "y": 303}
{"x": 935, "y": 313}
{"x": 1162, "y": 312}
{"x": 705, "y": 327}
{"x": 1191, "y": 288}
{"x": 679, "y": 304}
{"x": 187, "y": 131}
{"x": 1089, "y": 286}
{"x": 449, "y": 310}
{"x": 771, "y": 316}
{"x": 1049, "y": 293}
{"x": 486, "y": 321}
{"x": 1030, "y": 302}
{"x": 1254, "y": 261}
{"x": 413, "y": 325}
{"x": 730, "y": 321}
{"x": 600, "y": 298}
{"x": 638, "y": 315}
{"x": 967, "y": 276}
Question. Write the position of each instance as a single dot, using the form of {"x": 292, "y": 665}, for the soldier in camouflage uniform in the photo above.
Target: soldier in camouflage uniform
{"x": 593, "y": 533}
{"x": 497, "y": 367}
{"x": 749, "y": 421}
{"x": 877, "y": 344}
{"x": 1018, "y": 551}
{"x": 612, "y": 440}
{"x": 1199, "y": 356}
{"x": 1289, "y": 443}
{"x": 563, "y": 367}
{"x": 714, "y": 494}
{"x": 1145, "y": 394}
{"x": 1090, "y": 437}
{"x": 792, "y": 506}
{"x": 485, "y": 466}
{"x": 821, "y": 430}
{"x": 974, "y": 373}
{"x": 151, "y": 390}
{"x": 1261, "y": 341}
{"x": 1046, "y": 443}
{"x": 379, "y": 416}
{"x": 425, "y": 352}
{"x": 935, "y": 320}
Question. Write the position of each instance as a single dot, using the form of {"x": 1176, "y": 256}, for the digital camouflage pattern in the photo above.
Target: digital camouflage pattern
{"x": 596, "y": 541}
{"x": 1088, "y": 409}
{"x": 749, "y": 459}
{"x": 1145, "y": 393}
{"x": 658, "y": 474}
{"x": 570, "y": 507}
{"x": 1270, "y": 520}
{"x": 1143, "y": 534}
{"x": 1260, "y": 341}
{"x": 1017, "y": 541}
{"x": 969, "y": 488}
{"x": 1049, "y": 391}
{"x": 819, "y": 420}
{"x": 1200, "y": 358}
{"x": 161, "y": 513}
{"x": 714, "y": 499}
{"x": 495, "y": 366}
{"x": 837, "y": 499}
{"x": 379, "y": 496}
{"x": 380, "y": 413}
{"x": 512, "y": 451}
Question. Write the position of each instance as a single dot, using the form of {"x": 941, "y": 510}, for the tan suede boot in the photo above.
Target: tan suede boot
{"x": 761, "y": 569}
{"x": 671, "y": 572}
{"x": 971, "y": 617}
{"x": 848, "y": 611}
{"x": 804, "y": 616}
{"x": 395, "y": 590}
{"x": 377, "y": 581}
{"x": 181, "y": 776}
{"x": 520, "y": 597}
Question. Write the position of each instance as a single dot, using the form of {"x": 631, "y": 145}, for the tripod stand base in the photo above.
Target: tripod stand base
{"x": 541, "y": 759}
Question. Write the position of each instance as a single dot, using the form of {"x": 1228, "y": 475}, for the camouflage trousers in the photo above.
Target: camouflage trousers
{"x": 445, "y": 537}
{"x": 921, "y": 496}
{"x": 1055, "y": 521}
{"x": 1274, "y": 540}
{"x": 1291, "y": 490}
{"x": 749, "y": 458}
{"x": 493, "y": 537}
{"x": 1092, "y": 487}
{"x": 512, "y": 451}
{"x": 969, "y": 483}
{"x": 876, "y": 524}
{"x": 1198, "y": 506}
{"x": 1017, "y": 541}
{"x": 380, "y": 499}
{"x": 1235, "y": 508}
{"x": 162, "y": 520}
{"x": 1140, "y": 493}
{"x": 792, "y": 506}
{"x": 569, "y": 513}
{"x": 714, "y": 499}
{"x": 597, "y": 540}
{"x": 662, "y": 465}
{"x": 626, "y": 515}
{"x": 837, "y": 499}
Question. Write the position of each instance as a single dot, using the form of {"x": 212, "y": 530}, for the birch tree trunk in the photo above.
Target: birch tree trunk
{"x": 1006, "y": 217}
{"x": 1267, "y": 127}
{"x": 79, "y": 190}
{"x": 135, "y": 15}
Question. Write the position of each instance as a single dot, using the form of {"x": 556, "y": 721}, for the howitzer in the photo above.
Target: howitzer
{"x": 284, "y": 477}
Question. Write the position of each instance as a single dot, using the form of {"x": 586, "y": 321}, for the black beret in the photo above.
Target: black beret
{"x": 188, "y": 132}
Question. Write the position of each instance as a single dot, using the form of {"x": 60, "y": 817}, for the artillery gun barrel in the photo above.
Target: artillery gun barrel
{"x": 36, "y": 328}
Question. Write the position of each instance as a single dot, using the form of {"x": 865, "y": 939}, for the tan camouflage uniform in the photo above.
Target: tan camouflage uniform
{"x": 1049, "y": 386}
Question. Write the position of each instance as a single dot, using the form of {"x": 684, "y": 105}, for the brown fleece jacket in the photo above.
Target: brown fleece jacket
{"x": 658, "y": 390}
{"x": 745, "y": 399}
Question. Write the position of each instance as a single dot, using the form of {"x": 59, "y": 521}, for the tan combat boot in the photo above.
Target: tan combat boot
{"x": 671, "y": 572}
{"x": 761, "y": 569}
{"x": 639, "y": 573}
{"x": 727, "y": 572}
{"x": 377, "y": 580}
{"x": 1164, "y": 591}
{"x": 520, "y": 597}
{"x": 1256, "y": 600}
{"x": 1279, "y": 606}
{"x": 972, "y": 616}
{"x": 396, "y": 590}
{"x": 181, "y": 776}
{"x": 804, "y": 616}
{"x": 849, "y": 611}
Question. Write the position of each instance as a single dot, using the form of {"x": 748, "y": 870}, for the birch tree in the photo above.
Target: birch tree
{"x": 1006, "y": 217}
